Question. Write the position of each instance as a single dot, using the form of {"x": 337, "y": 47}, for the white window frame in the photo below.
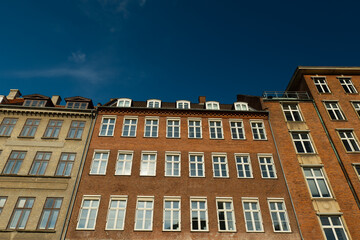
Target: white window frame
{"x": 195, "y": 127}
{"x": 356, "y": 106}
{"x": 126, "y": 161}
{"x": 117, "y": 209}
{"x": 333, "y": 227}
{"x": 173, "y": 127}
{"x": 198, "y": 210}
{"x": 153, "y": 102}
{"x": 145, "y": 199}
{"x": 130, "y": 125}
{"x": 172, "y": 162}
{"x": 151, "y": 126}
{"x": 183, "y": 102}
{"x": 347, "y": 85}
{"x": 242, "y": 155}
{"x": 215, "y": 120}
{"x": 212, "y": 105}
{"x": 171, "y": 210}
{"x": 241, "y": 106}
{"x": 97, "y": 172}
{"x": 220, "y": 155}
{"x": 351, "y": 141}
{"x": 197, "y": 154}
{"x": 334, "y": 111}
{"x": 126, "y": 102}
{"x": 321, "y": 85}
{"x": 316, "y": 180}
{"x": 302, "y": 141}
{"x": 91, "y": 198}
{"x": 238, "y": 130}
{"x": 148, "y": 162}
{"x": 107, "y": 126}
{"x": 226, "y": 211}
{"x": 252, "y": 211}
{"x": 292, "y": 112}
{"x": 277, "y": 212}
{"x": 267, "y": 165}
{"x": 257, "y": 129}
{"x": 357, "y": 169}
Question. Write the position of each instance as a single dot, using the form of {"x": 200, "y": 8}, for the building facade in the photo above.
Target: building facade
{"x": 42, "y": 145}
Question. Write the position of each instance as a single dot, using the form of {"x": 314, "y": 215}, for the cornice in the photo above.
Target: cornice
{"x": 51, "y": 112}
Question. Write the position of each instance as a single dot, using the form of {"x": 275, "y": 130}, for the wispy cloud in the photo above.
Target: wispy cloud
{"x": 77, "y": 57}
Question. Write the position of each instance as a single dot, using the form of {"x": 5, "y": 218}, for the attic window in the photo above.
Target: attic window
{"x": 212, "y": 105}
{"x": 123, "y": 102}
{"x": 77, "y": 105}
{"x": 34, "y": 103}
{"x": 182, "y": 104}
{"x": 241, "y": 106}
{"x": 153, "y": 103}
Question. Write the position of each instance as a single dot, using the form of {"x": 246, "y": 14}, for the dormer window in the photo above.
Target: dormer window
{"x": 212, "y": 105}
{"x": 182, "y": 104}
{"x": 241, "y": 106}
{"x": 77, "y": 105}
{"x": 123, "y": 102}
{"x": 34, "y": 103}
{"x": 153, "y": 103}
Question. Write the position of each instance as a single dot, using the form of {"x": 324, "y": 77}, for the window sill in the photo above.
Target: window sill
{"x": 274, "y": 178}
{"x": 77, "y": 229}
{"x": 283, "y": 232}
{"x": 199, "y": 231}
{"x": 260, "y": 139}
{"x": 33, "y": 176}
{"x": 237, "y": 139}
{"x": 172, "y": 176}
{"x": 151, "y": 137}
{"x": 4, "y": 136}
{"x": 245, "y": 177}
{"x": 25, "y": 137}
{"x": 352, "y": 152}
{"x": 227, "y": 231}
{"x": 128, "y": 136}
{"x": 75, "y": 139}
{"x": 200, "y": 138}
{"x": 49, "y": 138}
{"x": 143, "y": 230}
{"x": 29, "y": 231}
{"x": 216, "y": 138}
{"x": 105, "y": 135}
{"x": 306, "y": 154}
{"x": 171, "y": 230}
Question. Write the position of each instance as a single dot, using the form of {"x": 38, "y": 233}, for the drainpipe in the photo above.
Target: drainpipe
{"x": 338, "y": 157}
{"x": 80, "y": 171}
{"x": 286, "y": 183}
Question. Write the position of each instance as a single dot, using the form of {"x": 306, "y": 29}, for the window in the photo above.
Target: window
{"x": 241, "y": 106}
{"x": 21, "y": 213}
{"x": 40, "y": 163}
{"x": 129, "y": 127}
{"x": 243, "y": 166}
{"x": 172, "y": 164}
{"x": 333, "y": 227}
{"x": 172, "y": 214}
{"x": 2, "y": 203}
{"x": 199, "y": 215}
{"x": 279, "y": 215}
{"x": 154, "y": 103}
{"x": 216, "y": 130}
{"x": 76, "y": 129}
{"x": 357, "y": 169}
{"x": 77, "y": 105}
{"x": 347, "y": 84}
{"x": 53, "y": 129}
{"x": 123, "y": 102}
{"x": 258, "y": 130}
{"x": 321, "y": 85}
{"x": 144, "y": 213}
{"x": 107, "y": 126}
{"x": 253, "y": 220}
{"x": 50, "y": 213}
{"x": 34, "y": 103}
{"x": 14, "y": 162}
{"x": 30, "y": 128}
{"x": 317, "y": 182}
{"x": 173, "y": 128}
{"x": 220, "y": 166}
{"x": 225, "y": 213}
{"x": 151, "y": 127}
{"x": 183, "y": 104}
{"x": 99, "y": 163}
{"x": 302, "y": 142}
{"x": 267, "y": 167}
{"x": 7, "y": 125}
{"x": 334, "y": 111}
{"x": 124, "y": 163}
{"x": 197, "y": 165}
{"x": 88, "y": 213}
{"x": 212, "y": 105}
{"x": 348, "y": 139}
{"x": 116, "y": 213}
{"x": 148, "y": 164}
{"x": 65, "y": 165}
{"x": 237, "y": 129}
{"x": 292, "y": 112}
{"x": 195, "y": 128}
{"x": 356, "y": 106}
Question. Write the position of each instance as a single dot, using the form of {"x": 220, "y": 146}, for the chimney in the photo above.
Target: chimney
{"x": 56, "y": 99}
{"x": 202, "y": 100}
{"x": 14, "y": 93}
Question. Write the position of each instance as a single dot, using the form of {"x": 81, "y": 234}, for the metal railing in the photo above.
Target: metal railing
{"x": 286, "y": 95}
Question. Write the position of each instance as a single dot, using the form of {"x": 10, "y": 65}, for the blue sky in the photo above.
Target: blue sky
{"x": 170, "y": 49}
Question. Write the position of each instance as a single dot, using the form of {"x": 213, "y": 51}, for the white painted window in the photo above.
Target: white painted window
{"x": 349, "y": 141}
{"x": 124, "y": 163}
{"x": 148, "y": 164}
{"x": 172, "y": 214}
{"x": 241, "y": 106}
{"x": 99, "y": 162}
{"x": 333, "y": 227}
{"x": 194, "y": 128}
{"x": 129, "y": 127}
{"x": 199, "y": 215}
{"x": 216, "y": 129}
{"x": 2, "y": 203}
{"x": 321, "y": 84}
{"x": 182, "y": 104}
{"x": 267, "y": 166}
{"x": 197, "y": 165}
{"x": 220, "y": 166}
{"x": 88, "y": 213}
{"x": 116, "y": 213}
{"x": 258, "y": 130}
{"x": 123, "y": 102}
{"x": 356, "y": 106}
{"x": 107, "y": 126}
{"x": 292, "y": 112}
{"x": 212, "y": 105}
{"x": 173, "y": 128}
{"x": 144, "y": 213}
{"x": 151, "y": 127}
{"x": 225, "y": 215}
{"x": 302, "y": 142}
{"x": 154, "y": 103}
{"x": 334, "y": 111}
{"x": 316, "y": 182}
{"x": 253, "y": 219}
{"x": 243, "y": 166}
{"x": 347, "y": 84}
{"x": 279, "y": 216}
{"x": 172, "y": 164}
{"x": 237, "y": 129}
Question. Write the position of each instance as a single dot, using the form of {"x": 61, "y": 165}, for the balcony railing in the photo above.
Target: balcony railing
{"x": 276, "y": 95}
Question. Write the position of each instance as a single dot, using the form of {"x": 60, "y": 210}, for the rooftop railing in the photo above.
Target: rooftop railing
{"x": 286, "y": 95}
